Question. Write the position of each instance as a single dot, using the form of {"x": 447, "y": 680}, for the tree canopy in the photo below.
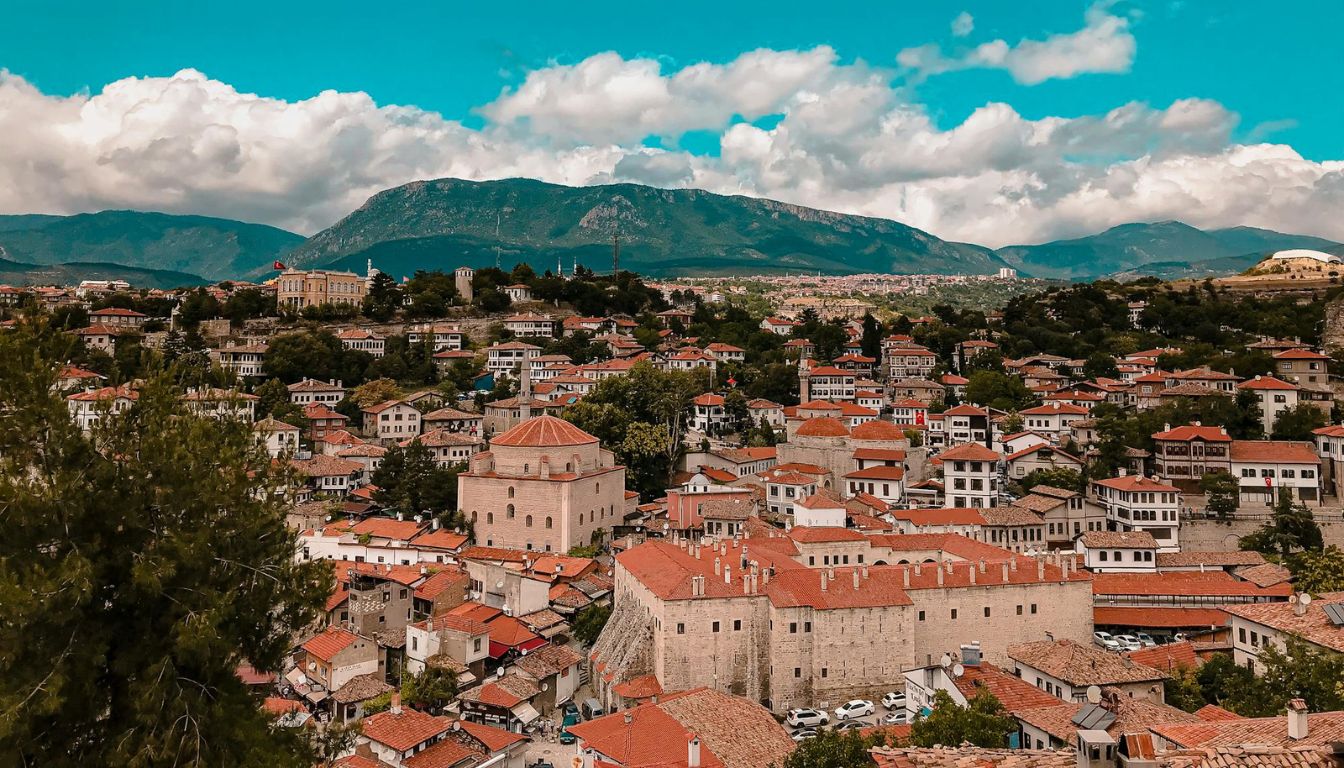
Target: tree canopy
{"x": 982, "y": 722}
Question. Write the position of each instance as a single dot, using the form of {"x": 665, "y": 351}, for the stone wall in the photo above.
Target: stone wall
{"x": 1213, "y": 536}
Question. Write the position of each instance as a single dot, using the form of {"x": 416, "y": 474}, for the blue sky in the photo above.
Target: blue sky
{"x": 1274, "y": 72}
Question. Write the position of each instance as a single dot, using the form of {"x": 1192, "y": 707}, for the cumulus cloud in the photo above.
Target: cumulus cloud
{"x": 843, "y": 138}
{"x": 1103, "y": 45}
{"x": 963, "y": 24}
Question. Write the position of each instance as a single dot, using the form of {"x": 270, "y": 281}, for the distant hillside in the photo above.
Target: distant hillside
{"x": 19, "y": 274}
{"x": 448, "y": 222}
{"x": 1167, "y": 249}
{"x": 196, "y": 245}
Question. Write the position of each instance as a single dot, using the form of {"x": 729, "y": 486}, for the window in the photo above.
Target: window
{"x": 490, "y": 518}
{"x": 737, "y": 625}
{"x": 954, "y": 613}
{"x": 797, "y": 671}
{"x": 921, "y": 615}
{"x": 1019, "y": 610}
{"x": 1033, "y": 608}
{"x": 714, "y": 627}
{"x": 510, "y": 491}
{"x": 528, "y": 521}
{"x": 509, "y": 511}
{"x": 807, "y": 626}
{"x": 476, "y": 645}
{"x": 1103, "y": 555}
{"x": 681, "y": 628}
{"x": 793, "y": 627}
{"x": 823, "y": 672}
{"x": 986, "y": 611}
{"x": 548, "y": 522}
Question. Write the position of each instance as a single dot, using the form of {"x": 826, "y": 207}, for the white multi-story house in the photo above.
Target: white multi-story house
{"x": 361, "y": 340}
{"x": 1257, "y": 626}
{"x": 221, "y": 404}
{"x": 508, "y": 357}
{"x": 1330, "y": 447}
{"x": 530, "y": 325}
{"x": 1137, "y": 503}
{"x": 707, "y": 412}
{"x": 88, "y": 407}
{"x": 392, "y": 421}
{"x": 726, "y": 352}
{"x": 280, "y": 439}
{"x": 910, "y": 362}
{"x": 826, "y": 382}
{"x": 243, "y": 360}
{"x": 1275, "y": 396}
{"x": 1264, "y": 467}
{"x": 820, "y": 510}
{"x": 970, "y": 475}
{"x": 314, "y": 391}
{"x": 518, "y": 292}
{"x": 966, "y": 424}
{"x": 1054, "y": 418}
{"x": 441, "y": 335}
{"x": 784, "y": 489}
{"x": 690, "y": 360}
{"x": 1118, "y": 552}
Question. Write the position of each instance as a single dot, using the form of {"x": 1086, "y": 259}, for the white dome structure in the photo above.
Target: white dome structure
{"x": 1304, "y": 253}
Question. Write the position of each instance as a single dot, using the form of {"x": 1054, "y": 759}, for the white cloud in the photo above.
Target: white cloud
{"x": 845, "y": 139}
{"x": 1103, "y": 45}
{"x": 963, "y": 24}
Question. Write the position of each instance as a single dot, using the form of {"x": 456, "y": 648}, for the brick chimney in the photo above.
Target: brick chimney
{"x": 1297, "y": 719}
{"x": 396, "y": 703}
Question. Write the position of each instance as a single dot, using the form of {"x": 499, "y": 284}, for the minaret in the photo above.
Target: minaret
{"x": 804, "y": 376}
{"x": 525, "y": 391}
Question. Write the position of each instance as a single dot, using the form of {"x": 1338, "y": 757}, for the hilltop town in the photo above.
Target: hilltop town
{"x": 613, "y": 522}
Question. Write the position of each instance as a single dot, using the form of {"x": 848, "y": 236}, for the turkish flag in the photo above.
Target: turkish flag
{"x": 919, "y": 417}
{"x": 278, "y": 265}
{"x": 1269, "y": 482}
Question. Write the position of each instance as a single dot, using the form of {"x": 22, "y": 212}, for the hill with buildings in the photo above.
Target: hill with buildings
{"x": 447, "y": 222}
{"x": 217, "y": 249}
{"x": 1166, "y": 249}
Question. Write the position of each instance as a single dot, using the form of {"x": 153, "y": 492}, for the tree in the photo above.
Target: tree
{"x": 1297, "y": 423}
{"x": 383, "y": 298}
{"x": 1221, "y": 493}
{"x": 871, "y": 340}
{"x": 409, "y": 481}
{"x": 1291, "y": 528}
{"x": 589, "y": 622}
{"x": 1058, "y": 477}
{"x": 735, "y": 407}
{"x": 1183, "y": 691}
{"x": 1318, "y": 572}
{"x": 991, "y": 389}
{"x": 1224, "y": 682}
{"x": 1299, "y": 671}
{"x": 833, "y": 749}
{"x": 162, "y": 568}
{"x": 982, "y": 722}
{"x": 430, "y": 691}
{"x": 374, "y": 392}
{"x": 314, "y": 354}
{"x": 829, "y": 340}
{"x": 1100, "y": 365}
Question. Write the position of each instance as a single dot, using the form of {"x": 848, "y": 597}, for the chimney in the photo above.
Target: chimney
{"x": 982, "y": 565}
{"x": 1040, "y": 569}
{"x": 905, "y": 577}
{"x": 717, "y": 566}
{"x": 1297, "y": 719}
{"x": 972, "y": 572}
{"x": 727, "y": 574}
{"x": 823, "y": 581}
{"x": 856, "y": 579}
{"x": 693, "y": 752}
{"x": 1299, "y": 606}
{"x": 1005, "y": 573}
{"x": 917, "y": 569}
{"x": 940, "y": 577}
{"x": 396, "y": 703}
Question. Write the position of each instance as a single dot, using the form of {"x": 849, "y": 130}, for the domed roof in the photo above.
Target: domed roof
{"x": 877, "y": 430}
{"x": 543, "y": 432}
{"x": 1306, "y": 253}
{"x": 822, "y": 426}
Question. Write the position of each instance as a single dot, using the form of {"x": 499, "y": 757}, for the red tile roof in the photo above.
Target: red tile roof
{"x": 822, "y": 426}
{"x": 404, "y": 730}
{"x": 494, "y": 739}
{"x": 1167, "y": 657}
{"x": 330, "y": 642}
{"x": 1012, "y": 691}
{"x": 969, "y": 452}
{"x": 1274, "y": 452}
{"x": 544, "y": 432}
{"x": 1182, "y": 583}
{"x": 877, "y": 430}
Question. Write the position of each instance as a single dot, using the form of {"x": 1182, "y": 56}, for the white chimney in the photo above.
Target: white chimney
{"x": 1297, "y": 719}
{"x": 693, "y": 752}
{"x": 396, "y": 703}
{"x": 856, "y": 578}
{"x": 823, "y": 581}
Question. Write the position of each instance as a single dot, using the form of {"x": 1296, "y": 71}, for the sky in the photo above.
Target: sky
{"x": 988, "y": 122}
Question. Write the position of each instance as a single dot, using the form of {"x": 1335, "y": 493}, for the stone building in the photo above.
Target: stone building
{"x": 543, "y": 485}
{"x": 748, "y": 617}
{"x": 297, "y": 289}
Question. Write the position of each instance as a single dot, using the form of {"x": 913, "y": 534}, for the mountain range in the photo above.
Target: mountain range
{"x": 445, "y": 223}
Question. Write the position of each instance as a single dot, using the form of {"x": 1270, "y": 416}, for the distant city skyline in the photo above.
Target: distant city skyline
{"x": 976, "y": 121}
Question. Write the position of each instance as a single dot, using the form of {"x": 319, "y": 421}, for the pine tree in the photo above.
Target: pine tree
{"x": 140, "y": 566}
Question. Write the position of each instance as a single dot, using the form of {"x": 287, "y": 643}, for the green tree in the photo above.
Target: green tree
{"x": 829, "y": 340}
{"x": 833, "y": 749}
{"x": 735, "y": 407}
{"x": 1318, "y": 572}
{"x": 1224, "y": 682}
{"x": 1100, "y": 365}
{"x": 589, "y": 622}
{"x": 1297, "y": 423}
{"x": 982, "y": 722}
{"x": 383, "y": 299}
{"x": 990, "y": 389}
{"x": 1291, "y": 528}
{"x": 871, "y": 340}
{"x": 314, "y": 354}
{"x": 1300, "y": 670}
{"x": 430, "y": 691}
{"x": 374, "y": 392}
{"x": 1221, "y": 493}
{"x": 409, "y": 481}
{"x": 1059, "y": 477}
{"x": 1183, "y": 690}
{"x": 162, "y": 567}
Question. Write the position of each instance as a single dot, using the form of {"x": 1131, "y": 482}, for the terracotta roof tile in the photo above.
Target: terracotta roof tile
{"x": 404, "y": 730}
{"x": 1081, "y": 665}
{"x": 544, "y": 431}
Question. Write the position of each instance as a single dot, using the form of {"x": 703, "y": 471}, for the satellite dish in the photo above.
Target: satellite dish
{"x": 1093, "y": 694}
{"x": 1292, "y": 599}
{"x": 946, "y": 661}
{"x": 958, "y": 670}
{"x": 545, "y": 686}
{"x": 1305, "y": 599}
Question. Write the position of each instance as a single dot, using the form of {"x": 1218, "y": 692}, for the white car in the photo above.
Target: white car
{"x": 803, "y": 734}
{"x": 1105, "y": 640}
{"x": 1128, "y": 642}
{"x": 894, "y": 700}
{"x": 855, "y": 708}
{"x": 806, "y": 718}
{"x": 1146, "y": 639}
{"x": 895, "y": 718}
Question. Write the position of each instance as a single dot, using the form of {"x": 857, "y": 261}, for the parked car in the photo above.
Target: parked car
{"x": 894, "y": 700}
{"x": 1105, "y": 640}
{"x": 571, "y": 716}
{"x": 806, "y": 718}
{"x": 1146, "y": 639}
{"x": 895, "y": 718}
{"x": 854, "y": 708}
{"x": 1128, "y": 642}
{"x": 849, "y": 725}
{"x": 802, "y": 734}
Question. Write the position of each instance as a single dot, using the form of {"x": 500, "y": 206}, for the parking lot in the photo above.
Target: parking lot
{"x": 876, "y": 718}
